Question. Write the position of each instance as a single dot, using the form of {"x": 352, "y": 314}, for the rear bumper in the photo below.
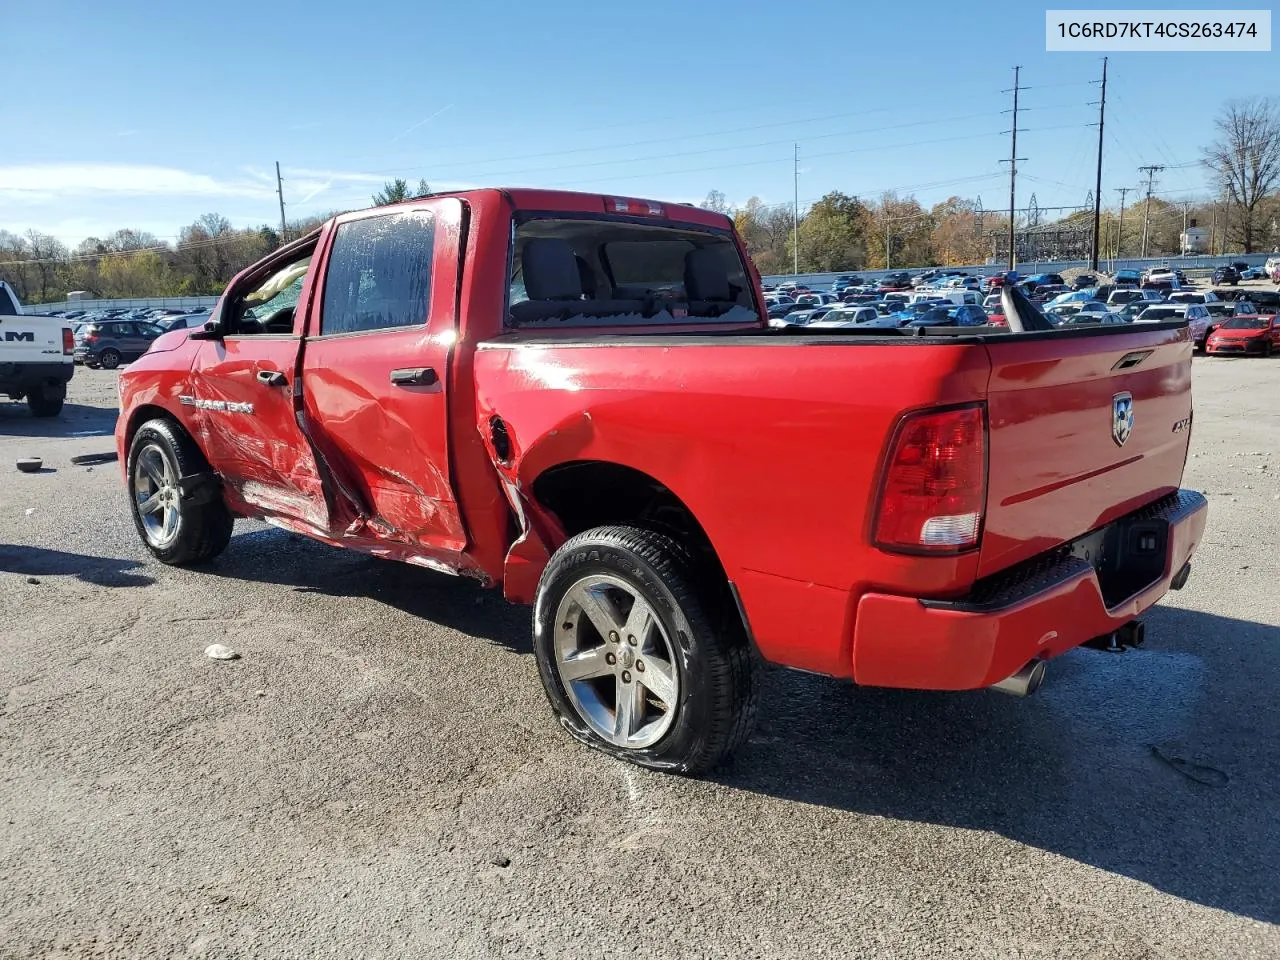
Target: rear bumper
{"x": 1034, "y": 611}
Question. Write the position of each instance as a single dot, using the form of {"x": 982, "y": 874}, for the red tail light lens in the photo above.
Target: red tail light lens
{"x": 935, "y": 484}
{"x": 68, "y": 340}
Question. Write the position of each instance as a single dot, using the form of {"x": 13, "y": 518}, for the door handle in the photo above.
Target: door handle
{"x": 272, "y": 378}
{"x": 414, "y": 377}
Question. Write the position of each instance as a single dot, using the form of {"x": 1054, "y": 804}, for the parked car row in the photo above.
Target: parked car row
{"x": 109, "y": 338}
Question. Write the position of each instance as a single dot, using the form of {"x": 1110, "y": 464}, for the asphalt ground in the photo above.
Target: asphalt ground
{"x": 379, "y": 774}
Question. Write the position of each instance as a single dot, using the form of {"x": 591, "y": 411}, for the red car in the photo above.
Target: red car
{"x": 576, "y": 399}
{"x": 1245, "y": 334}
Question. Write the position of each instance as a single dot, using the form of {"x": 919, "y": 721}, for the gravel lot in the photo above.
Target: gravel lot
{"x": 380, "y": 775}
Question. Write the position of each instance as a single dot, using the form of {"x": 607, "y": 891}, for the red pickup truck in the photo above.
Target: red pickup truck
{"x": 577, "y": 398}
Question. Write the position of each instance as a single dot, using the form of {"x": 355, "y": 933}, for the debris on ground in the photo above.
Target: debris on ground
{"x": 33, "y": 580}
{"x": 30, "y": 464}
{"x": 94, "y": 459}
{"x": 216, "y": 651}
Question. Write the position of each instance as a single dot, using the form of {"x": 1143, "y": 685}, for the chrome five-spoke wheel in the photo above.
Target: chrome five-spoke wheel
{"x": 616, "y": 661}
{"x": 156, "y": 492}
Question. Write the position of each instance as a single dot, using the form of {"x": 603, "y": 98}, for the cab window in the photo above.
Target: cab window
{"x": 379, "y": 274}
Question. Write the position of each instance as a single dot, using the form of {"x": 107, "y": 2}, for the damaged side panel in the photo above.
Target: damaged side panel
{"x": 761, "y": 442}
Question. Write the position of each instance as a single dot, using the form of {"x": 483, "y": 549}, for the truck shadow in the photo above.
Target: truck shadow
{"x": 76, "y": 420}
{"x": 42, "y": 562}
{"x": 1158, "y": 764}
{"x": 313, "y": 567}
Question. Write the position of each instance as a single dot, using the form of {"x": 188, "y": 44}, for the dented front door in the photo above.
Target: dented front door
{"x": 241, "y": 392}
{"x": 375, "y": 374}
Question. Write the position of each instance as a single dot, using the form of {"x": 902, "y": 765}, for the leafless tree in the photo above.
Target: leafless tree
{"x": 1245, "y": 161}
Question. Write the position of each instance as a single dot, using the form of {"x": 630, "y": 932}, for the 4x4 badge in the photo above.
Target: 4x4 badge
{"x": 1121, "y": 417}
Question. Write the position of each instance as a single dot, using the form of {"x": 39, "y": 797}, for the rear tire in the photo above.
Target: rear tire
{"x": 1266, "y": 349}
{"x": 176, "y": 529}
{"x": 109, "y": 359}
{"x": 680, "y": 698}
{"x": 46, "y": 399}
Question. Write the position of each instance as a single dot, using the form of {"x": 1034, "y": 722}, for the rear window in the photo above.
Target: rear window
{"x": 8, "y": 308}
{"x": 604, "y": 272}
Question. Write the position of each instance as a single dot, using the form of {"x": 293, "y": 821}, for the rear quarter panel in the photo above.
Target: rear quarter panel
{"x": 774, "y": 447}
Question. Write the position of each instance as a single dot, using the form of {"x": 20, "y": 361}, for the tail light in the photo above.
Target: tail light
{"x": 68, "y": 340}
{"x": 934, "y": 492}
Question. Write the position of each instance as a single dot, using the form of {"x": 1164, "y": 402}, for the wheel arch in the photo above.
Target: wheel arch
{"x": 152, "y": 411}
{"x": 573, "y": 496}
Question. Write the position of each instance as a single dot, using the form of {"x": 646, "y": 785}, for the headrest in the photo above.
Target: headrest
{"x": 550, "y": 270}
{"x": 705, "y": 275}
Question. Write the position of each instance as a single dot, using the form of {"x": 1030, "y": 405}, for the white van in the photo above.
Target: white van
{"x": 955, "y": 295}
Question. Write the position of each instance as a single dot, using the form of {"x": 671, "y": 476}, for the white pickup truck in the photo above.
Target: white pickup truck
{"x": 36, "y": 361}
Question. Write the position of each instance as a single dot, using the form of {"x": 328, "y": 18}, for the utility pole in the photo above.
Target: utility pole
{"x": 1182, "y": 240}
{"x": 1213, "y": 231}
{"x": 1120, "y": 226}
{"x": 886, "y": 243}
{"x": 1013, "y": 170}
{"x": 795, "y": 217}
{"x": 1097, "y": 191}
{"x": 280, "y": 194}
{"x": 1151, "y": 172}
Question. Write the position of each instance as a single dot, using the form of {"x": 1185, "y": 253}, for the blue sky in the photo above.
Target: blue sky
{"x": 146, "y": 115}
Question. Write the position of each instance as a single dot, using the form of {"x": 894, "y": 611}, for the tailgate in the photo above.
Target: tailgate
{"x": 1061, "y": 461}
{"x": 30, "y": 340}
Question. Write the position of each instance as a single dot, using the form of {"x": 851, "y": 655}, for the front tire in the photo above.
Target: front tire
{"x": 109, "y": 359}
{"x": 641, "y": 653}
{"x": 46, "y": 399}
{"x": 177, "y": 529}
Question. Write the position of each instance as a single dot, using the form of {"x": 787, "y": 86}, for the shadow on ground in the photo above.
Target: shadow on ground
{"x": 1158, "y": 764}
{"x": 76, "y": 420}
{"x": 273, "y": 556}
{"x": 42, "y": 562}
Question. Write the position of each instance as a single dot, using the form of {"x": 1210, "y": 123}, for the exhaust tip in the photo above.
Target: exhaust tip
{"x": 1180, "y": 578}
{"x": 1023, "y": 683}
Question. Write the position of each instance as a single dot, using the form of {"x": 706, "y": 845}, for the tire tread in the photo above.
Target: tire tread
{"x": 731, "y": 669}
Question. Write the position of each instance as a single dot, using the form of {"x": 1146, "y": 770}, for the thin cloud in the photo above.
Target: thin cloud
{"x": 126, "y": 133}
{"x": 38, "y": 183}
{"x": 309, "y": 125}
{"x": 399, "y": 136}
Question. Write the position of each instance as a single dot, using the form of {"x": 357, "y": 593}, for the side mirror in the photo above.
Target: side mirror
{"x": 212, "y": 330}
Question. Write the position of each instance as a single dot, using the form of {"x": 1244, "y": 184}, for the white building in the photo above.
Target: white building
{"x": 1194, "y": 239}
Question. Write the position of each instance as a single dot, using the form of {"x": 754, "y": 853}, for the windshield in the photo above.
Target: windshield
{"x": 1246, "y": 323}
{"x": 611, "y": 272}
{"x": 1160, "y": 313}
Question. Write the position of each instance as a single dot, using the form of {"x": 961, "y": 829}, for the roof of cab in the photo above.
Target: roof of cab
{"x": 570, "y": 201}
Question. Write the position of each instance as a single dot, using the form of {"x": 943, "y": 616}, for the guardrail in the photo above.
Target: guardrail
{"x": 143, "y": 303}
